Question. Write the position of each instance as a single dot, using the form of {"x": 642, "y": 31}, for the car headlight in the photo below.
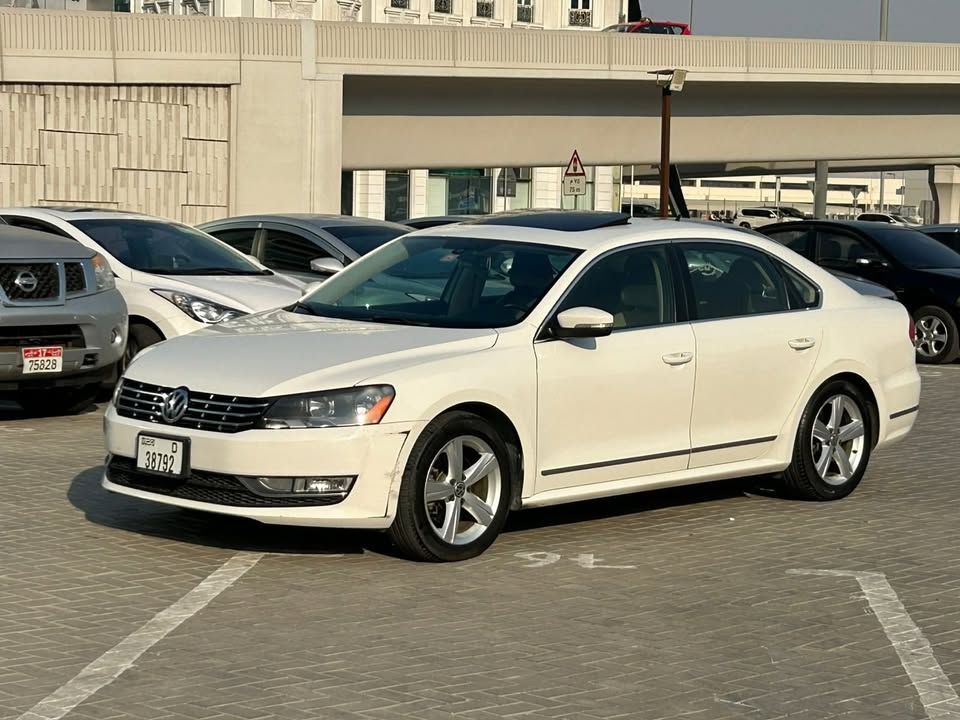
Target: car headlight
{"x": 116, "y": 392}
{"x": 102, "y": 274}
{"x": 200, "y": 309}
{"x": 335, "y": 408}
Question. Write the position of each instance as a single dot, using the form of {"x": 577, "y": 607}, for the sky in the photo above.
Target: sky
{"x": 910, "y": 20}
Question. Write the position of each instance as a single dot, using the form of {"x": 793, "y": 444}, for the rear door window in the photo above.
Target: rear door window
{"x": 238, "y": 238}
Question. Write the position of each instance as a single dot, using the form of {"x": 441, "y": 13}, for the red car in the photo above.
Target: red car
{"x": 651, "y": 27}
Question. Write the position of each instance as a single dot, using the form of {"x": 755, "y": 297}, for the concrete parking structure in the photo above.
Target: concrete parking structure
{"x": 663, "y": 605}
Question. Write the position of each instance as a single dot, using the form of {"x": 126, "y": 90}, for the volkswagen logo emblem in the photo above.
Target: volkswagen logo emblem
{"x": 175, "y": 405}
{"x": 26, "y": 281}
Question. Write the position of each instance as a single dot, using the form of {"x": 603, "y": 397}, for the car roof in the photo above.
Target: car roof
{"x": 601, "y": 237}
{"x": 308, "y": 220}
{"x": 64, "y": 212}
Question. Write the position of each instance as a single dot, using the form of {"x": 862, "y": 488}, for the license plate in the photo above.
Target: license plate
{"x": 42, "y": 360}
{"x": 163, "y": 456}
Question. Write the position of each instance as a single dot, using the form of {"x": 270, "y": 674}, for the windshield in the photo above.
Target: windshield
{"x": 365, "y": 238}
{"x": 166, "y": 248}
{"x": 442, "y": 282}
{"x": 916, "y": 250}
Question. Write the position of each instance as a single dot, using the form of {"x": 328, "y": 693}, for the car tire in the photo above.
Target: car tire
{"x": 745, "y": 225}
{"x": 139, "y": 337}
{"x": 837, "y": 421}
{"x": 57, "y": 401}
{"x": 443, "y": 526}
{"x": 938, "y": 341}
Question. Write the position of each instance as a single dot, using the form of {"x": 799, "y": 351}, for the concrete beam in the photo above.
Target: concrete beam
{"x": 945, "y": 185}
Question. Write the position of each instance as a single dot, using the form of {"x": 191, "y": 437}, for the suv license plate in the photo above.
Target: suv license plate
{"x": 163, "y": 456}
{"x": 42, "y": 360}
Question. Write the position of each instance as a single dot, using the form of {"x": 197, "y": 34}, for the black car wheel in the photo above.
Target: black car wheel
{"x": 937, "y": 339}
{"x": 140, "y": 337}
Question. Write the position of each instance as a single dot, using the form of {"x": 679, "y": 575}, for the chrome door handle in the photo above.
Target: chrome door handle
{"x": 681, "y": 358}
{"x": 802, "y": 343}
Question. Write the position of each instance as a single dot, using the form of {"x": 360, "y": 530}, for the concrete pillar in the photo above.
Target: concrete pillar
{"x": 418, "y": 192}
{"x": 820, "y": 189}
{"x": 546, "y": 187}
{"x": 370, "y": 194}
{"x": 283, "y": 160}
{"x": 945, "y": 185}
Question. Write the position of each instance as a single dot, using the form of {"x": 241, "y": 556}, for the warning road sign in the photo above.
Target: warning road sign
{"x": 575, "y": 177}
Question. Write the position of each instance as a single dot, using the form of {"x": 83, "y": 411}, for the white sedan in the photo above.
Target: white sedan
{"x": 465, "y": 371}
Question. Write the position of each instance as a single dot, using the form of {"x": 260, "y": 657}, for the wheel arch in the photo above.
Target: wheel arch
{"x": 141, "y": 320}
{"x": 508, "y": 431}
{"x": 859, "y": 381}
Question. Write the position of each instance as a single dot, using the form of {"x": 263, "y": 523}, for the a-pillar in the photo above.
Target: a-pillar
{"x": 945, "y": 185}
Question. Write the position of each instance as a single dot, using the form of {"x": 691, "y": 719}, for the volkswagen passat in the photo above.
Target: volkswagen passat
{"x": 465, "y": 371}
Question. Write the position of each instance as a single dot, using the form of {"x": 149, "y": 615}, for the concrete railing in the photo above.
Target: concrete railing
{"x": 51, "y": 46}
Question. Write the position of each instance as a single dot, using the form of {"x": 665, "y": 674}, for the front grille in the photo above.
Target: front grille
{"x": 205, "y": 411}
{"x": 30, "y": 281}
{"x": 68, "y": 336}
{"x": 203, "y": 486}
{"x": 76, "y": 280}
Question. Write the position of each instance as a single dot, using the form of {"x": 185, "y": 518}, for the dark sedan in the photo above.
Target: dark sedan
{"x": 309, "y": 247}
{"x": 924, "y": 274}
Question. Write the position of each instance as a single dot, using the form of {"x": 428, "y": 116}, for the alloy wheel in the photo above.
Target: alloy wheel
{"x": 462, "y": 491}
{"x": 932, "y": 336}
{"x": 838, "y": 440}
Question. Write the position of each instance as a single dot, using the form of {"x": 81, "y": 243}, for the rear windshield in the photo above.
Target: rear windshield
{"x": 916, "y": 250}
{"x": 364, "y": 238}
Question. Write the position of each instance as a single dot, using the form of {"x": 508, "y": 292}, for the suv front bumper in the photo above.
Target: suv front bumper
{"x": 102, "y": 323}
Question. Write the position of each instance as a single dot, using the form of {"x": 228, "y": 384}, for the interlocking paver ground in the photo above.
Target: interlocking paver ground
{"x": 707, "y": 623}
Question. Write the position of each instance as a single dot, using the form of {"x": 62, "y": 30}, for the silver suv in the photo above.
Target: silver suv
{"x": 63, "y": 324}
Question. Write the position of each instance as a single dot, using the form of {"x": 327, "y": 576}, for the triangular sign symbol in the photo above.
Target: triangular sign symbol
{"x": 574, "y": 167}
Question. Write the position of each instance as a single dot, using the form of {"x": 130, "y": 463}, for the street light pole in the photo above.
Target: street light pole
{"x": 665, "y": 118}
{"x": 691, "y": 16}
{"x": 884, "y": 18}
{"x": 882, "y": 176}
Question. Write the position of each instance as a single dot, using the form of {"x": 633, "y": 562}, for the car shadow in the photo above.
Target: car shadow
{"x": 223, "y": 531}
{"x": 210, "y": 529}
{"x": 9, "y": 410}
{"x": 637, "y": 503}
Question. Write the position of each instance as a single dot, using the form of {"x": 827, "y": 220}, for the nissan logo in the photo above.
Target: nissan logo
{"x": 175, "y": 405}
{"x": 26, "y": 281}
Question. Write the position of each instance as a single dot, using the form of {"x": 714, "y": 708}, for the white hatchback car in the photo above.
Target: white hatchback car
{"x": 173, "y": 278}
{"x": 465, "y": 371}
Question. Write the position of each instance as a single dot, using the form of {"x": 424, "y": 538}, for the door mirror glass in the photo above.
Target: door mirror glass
{"x": 583, "y": 322}
{"x": 326, "y": 266}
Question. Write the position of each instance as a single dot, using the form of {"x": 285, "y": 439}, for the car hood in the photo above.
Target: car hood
{"x": 282, "y": 353}
{"x": 21, "y": 244}
{"x": 250, "y": 293}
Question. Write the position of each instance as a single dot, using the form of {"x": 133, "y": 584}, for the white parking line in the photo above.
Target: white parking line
{"x": 114, "y": 662}
{"x": 932, "y": 684}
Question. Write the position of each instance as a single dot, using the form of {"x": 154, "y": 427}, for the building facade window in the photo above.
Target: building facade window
{"x": 396, "y": 204}
{"x": 443, "y": 6}
{"x": 466, "y": 191}
{"x": 581, "y": 14}
{"x": 524, "y": 11}
{"x": 400, "y": 4}
{"x": 485, "y": 8}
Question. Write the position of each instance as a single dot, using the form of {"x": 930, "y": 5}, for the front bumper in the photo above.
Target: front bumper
{"x": 373, "y": 454}
{"x": 96, "y": 317}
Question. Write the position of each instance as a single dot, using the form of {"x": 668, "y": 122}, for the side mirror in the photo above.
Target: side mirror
{"x": 583, "y": 322}
{"x": 326, "y": 266}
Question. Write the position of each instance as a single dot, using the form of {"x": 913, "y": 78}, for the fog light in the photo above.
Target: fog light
{"x": 116, "y": 336}
{"x": 336, "y": 485}
{"x": 322, "y": 485}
